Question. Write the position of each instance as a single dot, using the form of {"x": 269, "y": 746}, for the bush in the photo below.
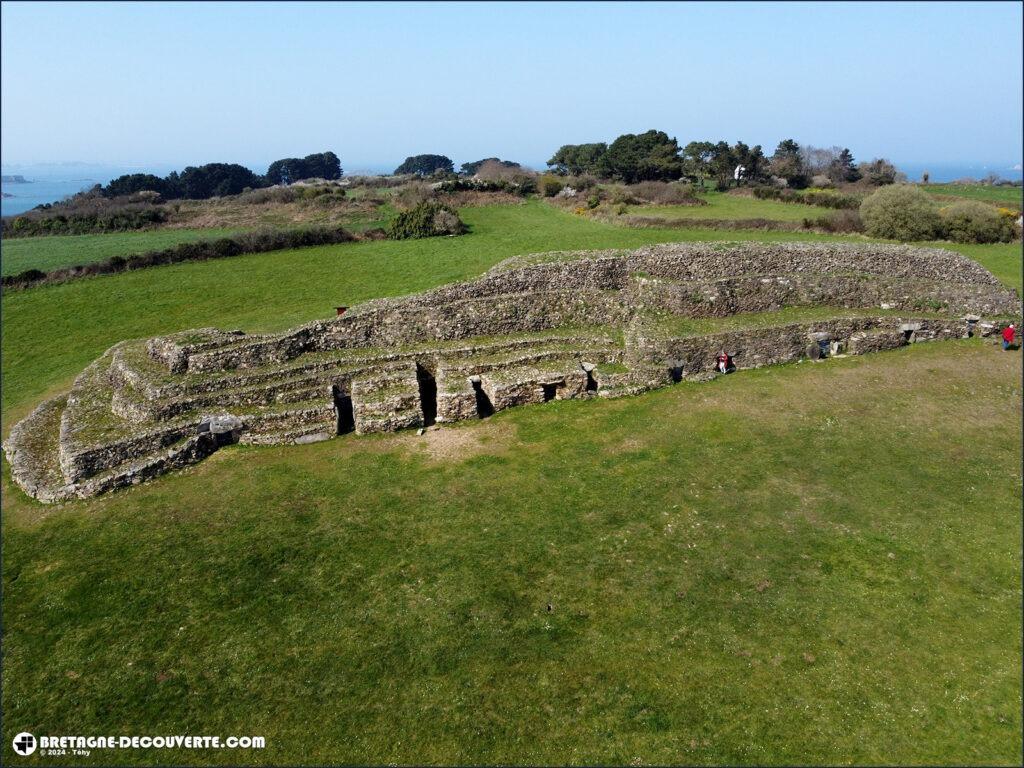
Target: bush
{"x": 663, "y": 193}
{"x": 550, "y": 185}
{"x": 580, "y": 183}
{"x": 971, "y": 221}
{"x": 413, "y": 194}
{"x": 819, "y": 197}
{"x": 880, "y": 172}
{"x": 839, "y": 221}
{"x": 901, "y": 212}
{"x": 94, "y": 217}
{"x": 269, "y": 195}
{"x": 427, "y": 219}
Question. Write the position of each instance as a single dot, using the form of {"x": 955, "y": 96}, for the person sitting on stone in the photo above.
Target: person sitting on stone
{"x": 723, "y": 362}
{"x": 1008, "y": 335}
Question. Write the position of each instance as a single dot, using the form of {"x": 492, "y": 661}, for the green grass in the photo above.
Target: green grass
{"x": 1001, "y": 259}
{"x": 46, "y": 253}
{"x": 1008, "y": 196}
{"x": 815, "y": 563}
{"x": 678, "y": 325}
{"x": 723, "y": 206}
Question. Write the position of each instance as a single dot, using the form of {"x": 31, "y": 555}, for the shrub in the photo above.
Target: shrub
{"x": 550, "y": 185}
{"x": 664, "y": 193}
{"x": 92, "y": 218}
{"x": 880, "y": 172}
{"x": 827, "y": 199}
{"x": 901, "y": 212}
{"x": 819, "y": 197}
{"x": 839, "y": 221}
{"x": 622, "y": 195}
{"x": 427, "y": 219}
{"x": 971, "y": 221}
{"x": 200, "y": 250}
{"x": 413, "y": 194}
{"x": 269, "y": 195}
{"x": 580, "y": 183}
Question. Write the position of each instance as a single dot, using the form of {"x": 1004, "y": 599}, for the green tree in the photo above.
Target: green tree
{"x": 470, "y": 169}
{"x": 650, "y": 156}
{"x": 757, "y": 165}
{"x": 136, "y": 182}
{"x": 723, "y": 164}
{"x": 216, "y": 180}
{"x": 324, "y": 165}
{"x": 787, "y": 163}
{"x": 577, "y": 159}
{"x": 425, "y": 165}
{"x": 843, "y": 168}
{"x": 697, "y": 156}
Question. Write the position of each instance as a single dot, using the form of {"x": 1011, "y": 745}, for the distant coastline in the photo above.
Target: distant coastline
{"x": 52, "y": 182}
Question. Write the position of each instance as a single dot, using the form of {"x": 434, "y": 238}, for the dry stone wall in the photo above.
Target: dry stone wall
{"x": 532, "y": 329}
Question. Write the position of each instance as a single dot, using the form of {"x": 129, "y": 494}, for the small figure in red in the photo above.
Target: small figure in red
{"x": 723, "y": 362}
{"x": 1008, "y": 334}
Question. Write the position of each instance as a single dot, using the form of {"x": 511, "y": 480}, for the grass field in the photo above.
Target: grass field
{"x": 814, "y": 563}
{"x": 46, "y": 253}
{"x": 723, "y": 206}
{"x": 802, "y": 564}
{"x": 1009, "y": 196}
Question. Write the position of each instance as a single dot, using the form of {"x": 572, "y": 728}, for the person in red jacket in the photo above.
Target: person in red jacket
{"x": 722, "y": 362}
{"x": 1008, "y": 333}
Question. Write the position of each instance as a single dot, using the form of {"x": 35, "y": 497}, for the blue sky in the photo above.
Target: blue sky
{"x": 183, "y": 83}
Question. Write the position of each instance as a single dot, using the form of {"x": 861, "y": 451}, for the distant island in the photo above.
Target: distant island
{"x": 14, "y": 180}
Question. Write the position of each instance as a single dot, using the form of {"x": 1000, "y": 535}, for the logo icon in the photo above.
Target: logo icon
{"x": 25, "y": 744}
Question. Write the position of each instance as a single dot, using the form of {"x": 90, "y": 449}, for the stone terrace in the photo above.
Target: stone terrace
{"x": 533, "y": 329}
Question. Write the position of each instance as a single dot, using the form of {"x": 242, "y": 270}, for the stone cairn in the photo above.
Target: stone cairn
{"x": 537, "y": 328}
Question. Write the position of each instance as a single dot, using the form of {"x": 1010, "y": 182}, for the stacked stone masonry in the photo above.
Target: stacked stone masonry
{"x": 556, "y": 326}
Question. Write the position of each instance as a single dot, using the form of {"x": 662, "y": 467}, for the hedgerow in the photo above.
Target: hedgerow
{"x": 259, "y": 241}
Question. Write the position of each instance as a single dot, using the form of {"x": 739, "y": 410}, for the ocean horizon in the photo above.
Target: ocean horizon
{"x": 52, "y": 182}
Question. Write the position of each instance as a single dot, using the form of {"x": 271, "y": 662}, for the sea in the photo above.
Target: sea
{"x": 51, "y": 182}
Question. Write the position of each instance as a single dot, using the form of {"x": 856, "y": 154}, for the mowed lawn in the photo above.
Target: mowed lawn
{"x": 45, "y": 253}
{"x": 723, "y": 206}
{"x": 51, "y": 333}
{"x": 813, "y": 563}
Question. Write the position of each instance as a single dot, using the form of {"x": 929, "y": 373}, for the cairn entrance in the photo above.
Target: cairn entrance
{"x": 346, "y": 412}
{"x": 550, "y": 390}
{"x": 484, "y": 406}
{"x": 428, "y": 394}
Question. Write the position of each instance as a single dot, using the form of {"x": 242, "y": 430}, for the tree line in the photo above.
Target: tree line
{"x": 631, "y": 158}
{"x": 221, "y": 179}
{"x": 655, "y": 156}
